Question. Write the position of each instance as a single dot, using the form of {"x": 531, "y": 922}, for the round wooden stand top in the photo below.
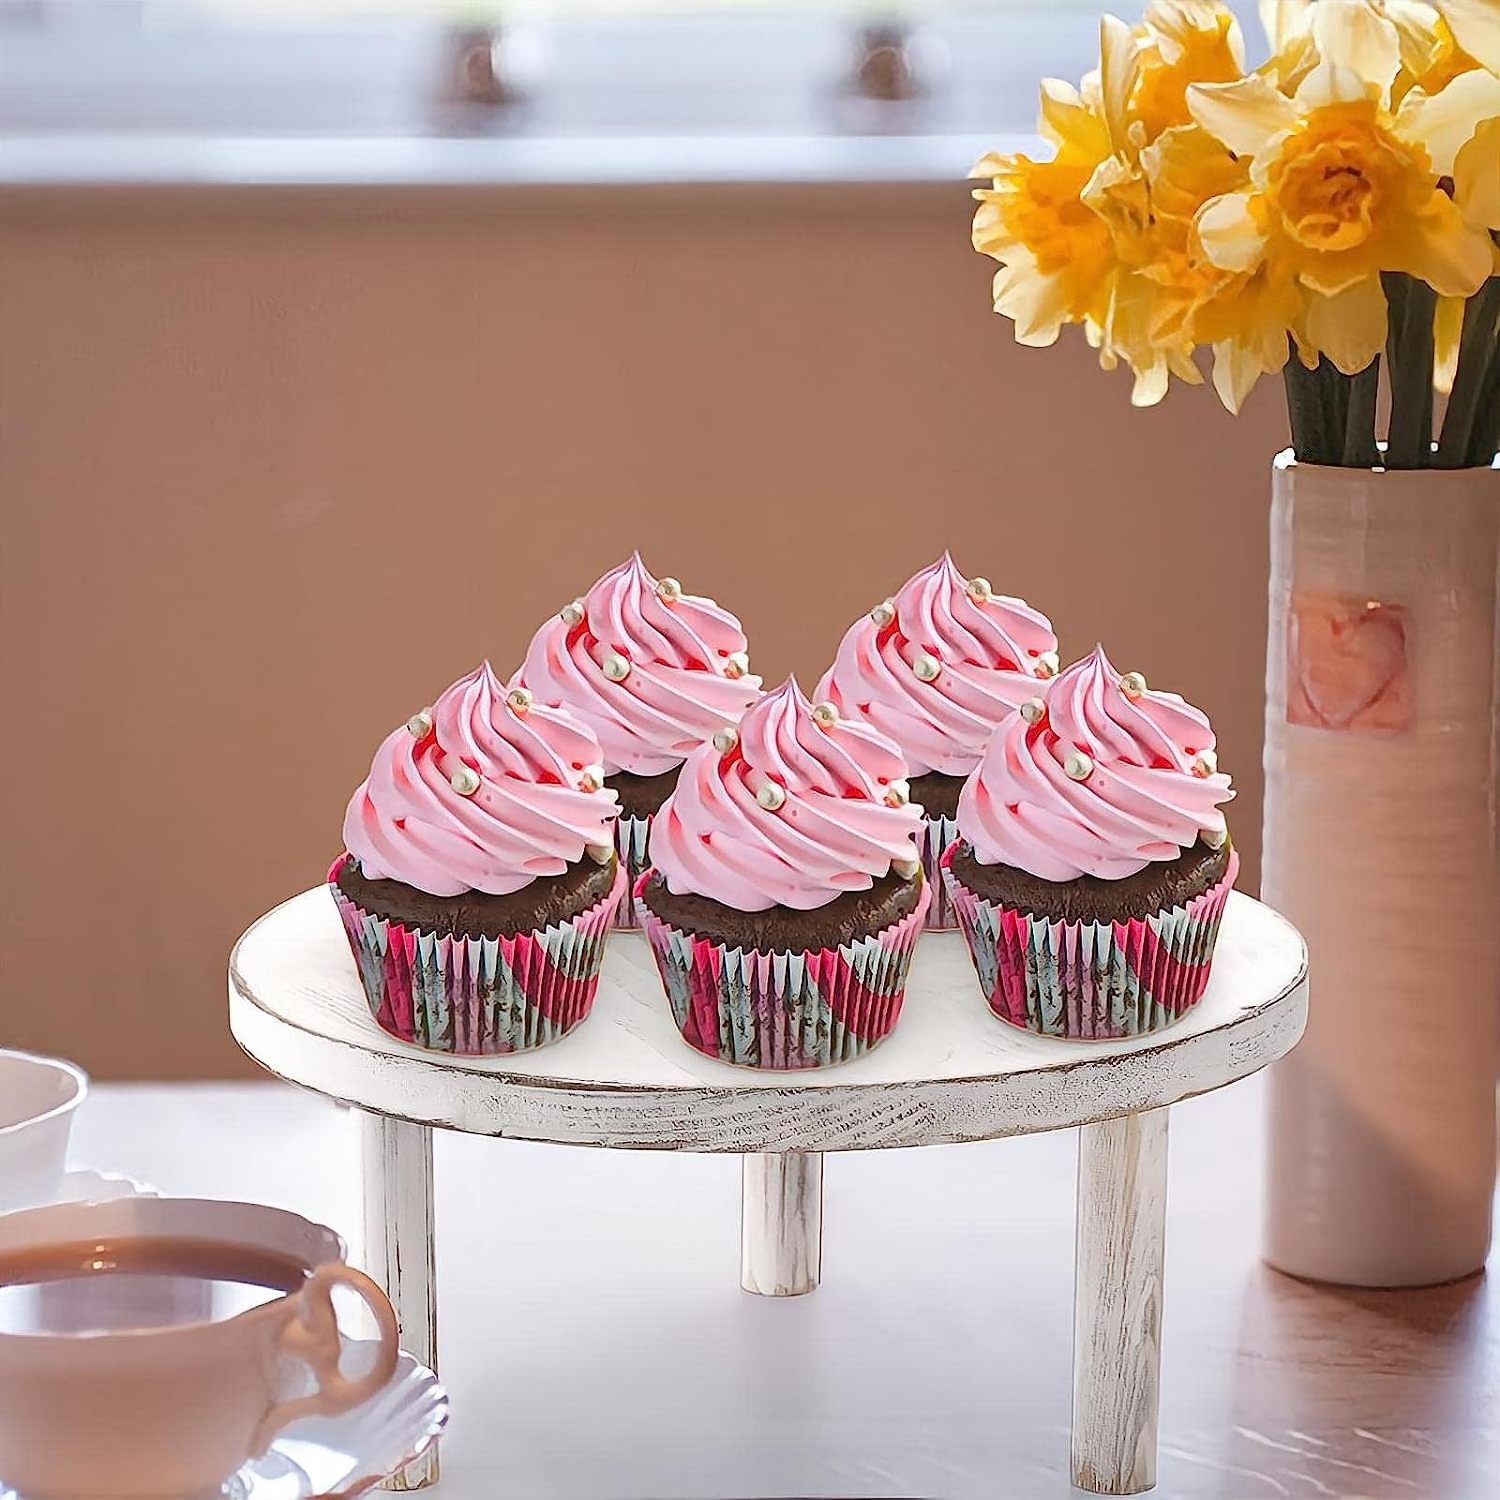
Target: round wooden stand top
{"x": 950, "y": 1072}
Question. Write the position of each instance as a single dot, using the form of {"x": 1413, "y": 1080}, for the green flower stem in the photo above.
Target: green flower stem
{"x": 1318, "y": 402}
{"x": 1486, "y": 443}
{"x": 1469, "y": 428}
{"x": 1409, "y": 357}
{"x": 1360, "y": 451}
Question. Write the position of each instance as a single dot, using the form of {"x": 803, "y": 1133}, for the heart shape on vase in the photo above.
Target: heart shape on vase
{"x": 1347, "y": 665}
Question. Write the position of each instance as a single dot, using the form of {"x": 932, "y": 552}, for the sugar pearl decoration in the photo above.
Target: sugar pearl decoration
{"x": 1215, "y": 838}
{"x": 464, "y": 781}
{"x": 726, "y": 739}
{"x": 1033, "y": 710}
{"x": 769, "y": 795}
{"x": 898, "y": 794}
{"x": 669, "y": 590}
{"x": 1205, "y": 763}
{"x": 1047, "y": 664}
{"x": 736, "y": 664}
{"x": 1078, "y": 765}
{"x": 825, "y": 714}
{"x": 979, "y": 590}
{"x": 519, "y": 700}
{"x": 572, "y": 614}
{"x": 926, "y": 668}
{"x": 601, "y": 854}
{"x": 591, "y": 778}
{"x": 883, "y": 613}
{"x": 906, "y": 868}
{"x": 615, "y": 667}
{"x": 1133, "y": 685}
{"x": 419, "y": 726}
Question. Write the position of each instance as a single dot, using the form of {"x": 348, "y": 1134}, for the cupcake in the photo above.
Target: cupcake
{"x": 480, "y": 878}
{"x": 1093, "y": 862}
{"x": 785, "y": 892}
{"x": 654, "y": 672}
{"x": 935, "y": 669}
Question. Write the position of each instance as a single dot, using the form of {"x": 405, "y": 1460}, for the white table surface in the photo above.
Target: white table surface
{"x": 597, "y": 1345}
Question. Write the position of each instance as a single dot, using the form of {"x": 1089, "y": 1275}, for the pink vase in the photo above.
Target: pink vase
{"x": 1380, "y": 846}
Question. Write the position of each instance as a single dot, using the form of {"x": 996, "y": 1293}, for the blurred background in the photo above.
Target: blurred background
{"x": 341, "y": 343}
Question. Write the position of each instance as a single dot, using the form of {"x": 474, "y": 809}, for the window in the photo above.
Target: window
{"x": 550, "y": 71}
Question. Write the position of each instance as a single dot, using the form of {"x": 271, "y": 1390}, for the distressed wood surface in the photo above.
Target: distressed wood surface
{"x": 1117, "y": 1296}
{"x": 781, "y": 1223}
{"x": 950, "y": 1072}
{"x": 398, "y": 1247}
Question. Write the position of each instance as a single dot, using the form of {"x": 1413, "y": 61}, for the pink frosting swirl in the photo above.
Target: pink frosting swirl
{"x": 685, "y": 675}
{"x": 1148, "y": 787}
{"x": 838, "y": 820}
{"x": 985, "y": 648}
{"x": 530, "y": 814}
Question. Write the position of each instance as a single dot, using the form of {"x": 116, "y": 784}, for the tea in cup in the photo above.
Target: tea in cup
{"x": 38, "y": 1099}
{"x": 145, "y": 1343}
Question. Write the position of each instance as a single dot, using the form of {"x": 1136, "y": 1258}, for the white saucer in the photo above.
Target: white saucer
{"x": 336, "y": 1458}
{"x": 84, "y": 1185}
{"x": 333, "y": 1458}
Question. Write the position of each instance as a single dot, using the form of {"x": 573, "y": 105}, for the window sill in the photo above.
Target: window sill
{"x": 66, "y": 161}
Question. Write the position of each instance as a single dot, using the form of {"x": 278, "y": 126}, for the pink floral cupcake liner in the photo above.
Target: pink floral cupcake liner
{"x": 937, "y": 834}
{"x": 784, "y": 1010}
{"x": 1091, "y": 980}
{"x": 631, "y": 835}
{"x": 478, "y": 996}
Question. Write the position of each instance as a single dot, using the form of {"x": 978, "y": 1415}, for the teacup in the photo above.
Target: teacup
{"x": 182, "y": 1371}
{"x": 38, "y": 1099}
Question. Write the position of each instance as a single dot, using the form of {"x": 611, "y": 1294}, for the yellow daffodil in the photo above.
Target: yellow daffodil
{"x": 1244, "y": 316}
{"x": 1476, "y": 179}
{"x": 1193, "y": 41}
{"x": 1187, "y": 205}
{"x": 1056, "y": 257}
{"x": 1141, "y": 88}
{"x": 1341, "y": 185}
{"x": 1476, "y": 191}
{"x": 1476, "y": 25}
{"x": 1447, "y": 339}
{"x": 1079, "y": 237}
{"x": 1431, "y": 56}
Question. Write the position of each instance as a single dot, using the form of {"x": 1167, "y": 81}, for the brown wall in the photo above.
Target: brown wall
{"x": 274, "y": 470}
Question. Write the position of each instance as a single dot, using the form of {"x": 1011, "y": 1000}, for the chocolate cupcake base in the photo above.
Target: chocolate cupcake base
{"x": 853, "y": 915}
{"x": 548, "y": 900}
{"x": 937, "y": 795}
{"x": 1161, "y": 885}
{"x": 1091, "y": 978}
{"x": 641, "y": 798}
{"x": 789, "y": 1007}
{"x": 446, "y": 986}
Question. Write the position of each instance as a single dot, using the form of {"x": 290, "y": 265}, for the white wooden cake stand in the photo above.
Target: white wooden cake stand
{"x": 950, "y": 1072}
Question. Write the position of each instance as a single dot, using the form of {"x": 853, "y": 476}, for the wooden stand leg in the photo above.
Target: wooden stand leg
{"x": 781, "y": 1231}
{"x": 1122, "y": 1200}
{"x": 398, "y": 1248}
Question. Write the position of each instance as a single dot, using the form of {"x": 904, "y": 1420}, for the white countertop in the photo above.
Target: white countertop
{"x": 598, "y": 1347}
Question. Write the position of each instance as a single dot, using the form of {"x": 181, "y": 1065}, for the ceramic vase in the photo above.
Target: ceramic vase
{"x": 1380, "y": 846}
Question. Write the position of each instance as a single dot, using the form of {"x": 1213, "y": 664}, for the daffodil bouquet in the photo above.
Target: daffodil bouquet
{"x": 1329, "y": 213}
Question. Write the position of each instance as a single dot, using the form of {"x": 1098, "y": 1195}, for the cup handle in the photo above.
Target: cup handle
{"x": 312, "y": 1335}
